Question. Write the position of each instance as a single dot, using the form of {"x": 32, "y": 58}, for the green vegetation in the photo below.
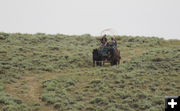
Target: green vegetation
{"x": 43, "y": 72}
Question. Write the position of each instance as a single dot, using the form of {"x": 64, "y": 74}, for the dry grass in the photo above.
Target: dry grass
{"x": 64, "y": 65}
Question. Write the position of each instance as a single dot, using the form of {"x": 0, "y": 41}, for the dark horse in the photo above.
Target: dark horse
{"x": 97, "y": 58}
{"x": 114, "y": 56}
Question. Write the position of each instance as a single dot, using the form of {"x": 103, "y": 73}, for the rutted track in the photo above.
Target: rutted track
{"x": 29, "y": 89}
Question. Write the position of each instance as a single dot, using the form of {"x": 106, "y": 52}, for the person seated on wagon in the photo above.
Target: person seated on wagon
{"x": 114, "y": 42}
{"x": 104, "y": 40}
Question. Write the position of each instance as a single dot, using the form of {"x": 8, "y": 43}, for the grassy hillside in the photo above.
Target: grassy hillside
{"x": 43, "y": 72}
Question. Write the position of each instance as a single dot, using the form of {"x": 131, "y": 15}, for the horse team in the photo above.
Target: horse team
{"x": 113, "y": 56}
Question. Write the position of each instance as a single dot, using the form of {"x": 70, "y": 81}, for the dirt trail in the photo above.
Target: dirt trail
{"x": 127, "y": 55}
{"x": 29, "y": 89}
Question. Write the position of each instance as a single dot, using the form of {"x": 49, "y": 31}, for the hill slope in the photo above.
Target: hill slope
{"x": 54, "y": 72}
